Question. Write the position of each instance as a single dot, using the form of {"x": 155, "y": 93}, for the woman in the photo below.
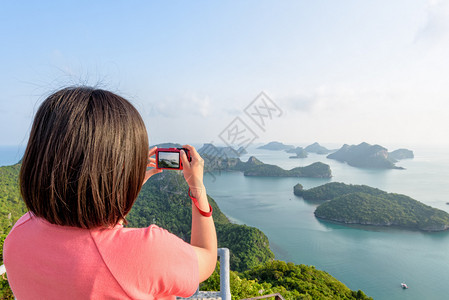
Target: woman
{"x": 86, "y": 160}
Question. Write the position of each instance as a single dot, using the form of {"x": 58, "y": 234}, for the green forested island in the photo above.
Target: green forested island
{"x": 364, "y": 155}
{"x": 400, "y": 154}
{"x": 315, "y": 170}
{"x": 276, "y": 146}
{"x": 164, "y": 201}
{"x": 254, "y": 167}
{"x": 299, "y": 151}
{"x": 317, "y": 148}
{"x": 229, "y": 152}
{"x": 361, "y": 204}
{"x": 332, "y": 190}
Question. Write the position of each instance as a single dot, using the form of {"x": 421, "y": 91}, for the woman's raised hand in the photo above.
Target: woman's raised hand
{"x": 151, "y": 164}
{"x": 193, "y": 170}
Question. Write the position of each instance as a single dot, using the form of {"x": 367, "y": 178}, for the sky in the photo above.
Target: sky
{"x": 238, "y": 72}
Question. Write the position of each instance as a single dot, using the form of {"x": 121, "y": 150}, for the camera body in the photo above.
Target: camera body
{"x": 170, "y": 158}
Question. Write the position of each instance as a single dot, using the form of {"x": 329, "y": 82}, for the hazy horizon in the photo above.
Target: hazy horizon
{"x": 340, "y": 72}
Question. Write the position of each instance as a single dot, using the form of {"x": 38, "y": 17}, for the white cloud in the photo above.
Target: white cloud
{"x": 202, "y": 105}
{"x": 323, "y": 98}
{"x": 300, "y": 103}
{"x": 436, "y": 27}
{"x": 186, "y": 105}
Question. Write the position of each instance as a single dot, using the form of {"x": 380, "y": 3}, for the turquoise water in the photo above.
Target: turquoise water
{"x": 375, "y": 260}
{"x": 10, "y": 155}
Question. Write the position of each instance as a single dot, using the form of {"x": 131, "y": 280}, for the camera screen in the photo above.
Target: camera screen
{"x": 169, "y": 160}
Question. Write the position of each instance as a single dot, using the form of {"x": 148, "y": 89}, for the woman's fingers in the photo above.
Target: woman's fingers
{"x": 150, "y": 173}
{"x": 151, "y": 164}
{"x": 185, "y": 161}
{"x": 192, "y": 150}
{"x": 152, "y": 151}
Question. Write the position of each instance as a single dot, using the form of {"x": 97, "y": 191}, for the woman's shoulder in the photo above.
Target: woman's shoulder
{"x": 22, "y": 220}
{"x": 133, "y": 236}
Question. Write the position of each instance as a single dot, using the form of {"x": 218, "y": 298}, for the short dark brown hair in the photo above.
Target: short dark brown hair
{"x": 86, "y": 157}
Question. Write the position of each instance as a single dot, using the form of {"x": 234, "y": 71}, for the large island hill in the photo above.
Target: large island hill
{"x": 365, "y": 155}
{"x": 364, "y": 205}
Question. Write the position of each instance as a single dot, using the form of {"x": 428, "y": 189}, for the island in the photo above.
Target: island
{"x": 255, "y": 167}
{"x": 317, "y": 148}
{"x": 364, "y": 205}
{"x": 315, "y": 170}
{"x": 276, "y": 146}
{"x": 299, "y": 151}
{"x": 400, "y": 154}
{"x": 364, "y": 155}
{"x": 167, "y": 145}
{"x": 212, "y": 150}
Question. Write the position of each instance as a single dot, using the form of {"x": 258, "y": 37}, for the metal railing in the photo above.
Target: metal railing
{"x": 225, "y": 282}
{"x": 276, "y": 296}
{"x": 225, "y": 286}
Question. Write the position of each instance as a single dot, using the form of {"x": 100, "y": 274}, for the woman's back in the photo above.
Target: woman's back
{"x": 113, "y": 263}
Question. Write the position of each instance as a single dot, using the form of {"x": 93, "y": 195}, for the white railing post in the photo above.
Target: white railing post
{"x": 225, "y": 280}
{"x": 2, "y": 269}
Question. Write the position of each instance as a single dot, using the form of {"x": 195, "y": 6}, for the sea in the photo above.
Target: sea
{"x": 375, "y": 260}
{"x": 11, "y": 154}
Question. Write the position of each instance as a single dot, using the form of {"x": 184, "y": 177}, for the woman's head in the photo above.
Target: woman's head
{"x": 85, "y": 160}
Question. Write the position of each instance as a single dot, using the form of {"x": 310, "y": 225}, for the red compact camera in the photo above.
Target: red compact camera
{"x": 170, "y": 158}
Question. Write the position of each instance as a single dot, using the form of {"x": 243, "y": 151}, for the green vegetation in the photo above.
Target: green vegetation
{"x": 11, "y": 205}
{"x": 11, "y": 209}
{"x": 248, "y": 245}
{"x": 361, "y": 204}
{"x": 298, "y": 189}
{"x": 290, "y": 280}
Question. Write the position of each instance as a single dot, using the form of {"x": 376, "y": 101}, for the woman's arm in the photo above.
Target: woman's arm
{"x": 203, "y": 236}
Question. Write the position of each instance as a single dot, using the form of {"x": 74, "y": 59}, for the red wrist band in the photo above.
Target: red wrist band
{"x": 202, "y": 212}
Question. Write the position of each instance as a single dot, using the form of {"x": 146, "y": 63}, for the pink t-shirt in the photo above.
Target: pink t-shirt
{"x": 46, "y": 261}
